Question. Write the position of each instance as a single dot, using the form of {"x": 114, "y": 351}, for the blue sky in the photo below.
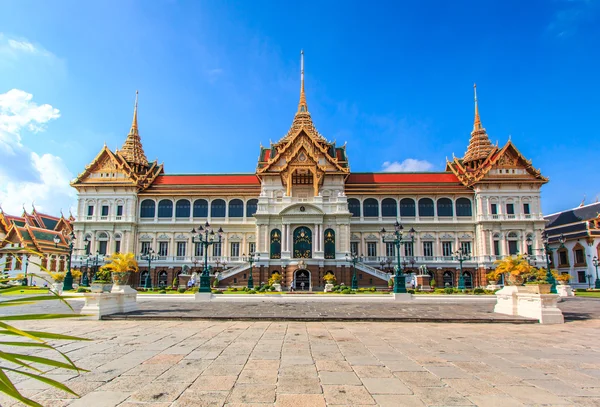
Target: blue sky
{"x": 217, "y": 78}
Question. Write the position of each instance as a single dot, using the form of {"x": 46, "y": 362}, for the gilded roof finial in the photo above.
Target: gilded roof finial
{"x": 302, "y": 106}
{"x": 132, "y": 149}
{"x": 134, "y": 124}
{"x": 479, "y": 145}
{"x": 477, "y": 122}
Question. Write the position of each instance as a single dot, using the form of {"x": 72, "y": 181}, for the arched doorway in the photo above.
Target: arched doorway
{"x": 162, "y": 279}
{"x": 302, "y": 280}
{"x": 448, "y": 279}
{"x": 468, "y": 277}
{"x": 302, "y": 243}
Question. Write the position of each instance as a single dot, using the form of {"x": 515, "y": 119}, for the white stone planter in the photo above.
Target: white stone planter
{"x": 565, "y": 290}
{"x": 513, "y": 300}
{"x": 99, "y": 304}
{"x": 328, "y": 288}
{"x": 277, "y": 287}
{"x": 57, "y": 288}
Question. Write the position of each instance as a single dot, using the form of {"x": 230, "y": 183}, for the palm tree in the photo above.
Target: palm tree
{"x": 516, "y": 267}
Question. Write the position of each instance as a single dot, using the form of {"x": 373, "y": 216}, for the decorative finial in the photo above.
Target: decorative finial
{"x": 582, "y": 202}
{"x": 477, "y": 121}
{"x": 61, "y": 213}
{"x": 1, "y": 210}
{"x": 134, "y": 123}
{"x": 302, "y": 106}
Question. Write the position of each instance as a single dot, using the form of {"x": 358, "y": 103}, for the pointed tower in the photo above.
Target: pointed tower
{"x": 479, "y": 145}
{"x": 132, "y": 149}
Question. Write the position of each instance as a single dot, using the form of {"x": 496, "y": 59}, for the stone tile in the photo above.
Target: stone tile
{"x": 403, "y": 366}
{"x": 560, "y": 388}
{"x": 159, "y": 392}
{"x": 305, "y": 371}
{"x": 201, "y": 399}
{"x": 213, "y": 383}
{"x": 101, "y": 399}
{"x": 446, "y": 372}
{"x": 381, "y": 385}
{"x": 261, "y": 364}
{"x": 347, "y": 395}
{"x": 293, "y": 385}
{"x": 222, "y": 370}
{"x": 164, "y": 359}
{"x": 472, "y": 387}
{"x": 419, "y": 379}
{"x": 333, "y": 366}
{"x": 339, "y": 378}
{"x": 252, "y": 393}
{"x": 440, "y": 396}
{"x": 135, "y": 404}
{"x": 372, "y": 371}
{"x": 532, "y": 395}
{"x": 300, "y": 400}
{"x": 585, "y": 401}
{"x": 495, "y": 400}
{"x": 392, "y": 400}
{"x": 262, "y": 376}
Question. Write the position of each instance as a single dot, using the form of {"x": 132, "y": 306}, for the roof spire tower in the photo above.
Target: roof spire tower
{"x": 302, "y": 106}
{"x": 479, "y": 145}
{"x": 132, "y": 149}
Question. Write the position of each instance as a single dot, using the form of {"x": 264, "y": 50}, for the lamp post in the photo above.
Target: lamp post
{"x": 26, "y": 259}
{"x": 68, "y": 282}
{"x": 548, "y": 252}
{"x": 85, "y": 282}
{"x": 206, "y": 237}
{"x": 95, "y": 260}
{"x": 253, "y": 258}
{"x": 150, "y": 255}
{"x": 461, "y": 255}
{"x": 396, "y": 239}
{"x": 353, "y": 257}
{"x": 596, "y": 263}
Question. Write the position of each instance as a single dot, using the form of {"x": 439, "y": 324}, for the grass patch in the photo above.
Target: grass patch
{"x": 590, "y": 294}
{"x": 21, "y": 290}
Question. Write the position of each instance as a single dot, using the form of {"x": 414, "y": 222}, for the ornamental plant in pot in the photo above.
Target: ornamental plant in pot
{"x": 121, "y": 266}
{"x": 102, "y": 282}
{"x": 515, "y": 267}
{"x": 329, "y": 278}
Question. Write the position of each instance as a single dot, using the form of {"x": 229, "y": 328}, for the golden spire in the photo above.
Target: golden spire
{"x": 132, "y": 149}
{"x": 479, "y": 145}
{"x": 302, "y": 106}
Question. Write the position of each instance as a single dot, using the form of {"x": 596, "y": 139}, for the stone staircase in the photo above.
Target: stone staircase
{"x": 372, "y": 271}
{"x": 233, "y": 271}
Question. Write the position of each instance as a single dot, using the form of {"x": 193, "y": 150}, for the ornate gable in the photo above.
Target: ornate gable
{"x": 106, "y": 168}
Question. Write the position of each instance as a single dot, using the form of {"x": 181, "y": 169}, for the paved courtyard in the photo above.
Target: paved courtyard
{"x": 265, "y": 363}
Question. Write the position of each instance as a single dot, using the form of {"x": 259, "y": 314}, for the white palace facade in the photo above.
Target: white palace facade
{"x": 303, "y": 211}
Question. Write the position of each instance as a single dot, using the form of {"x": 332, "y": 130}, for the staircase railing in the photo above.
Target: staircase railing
{"x": 373, "y": 271}
{"x": 233, "y": 271}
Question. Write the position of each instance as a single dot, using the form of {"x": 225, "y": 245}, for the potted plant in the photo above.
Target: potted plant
{"x": 121, "y": 266}
{"x": 330, "y": 281}
{"x": 59, "y": 277}
{"x": 102, "y": 282}
{"x": 563, "y": 278}
{"x": 275, "y": 281}
{"x": 516, "y": 267}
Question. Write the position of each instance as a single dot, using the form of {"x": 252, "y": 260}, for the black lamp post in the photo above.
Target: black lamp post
{"x": 353, "y": 257}
{"x": 68, "y": 282}
{"x": 206, "y": 237}
{"x": 548, "y": 252}
{"x": 85, "y": 282}
{"x": 396, "y": 239}
{"x": 596, "y": 263}
{"x": 150, "y": 255}
{"x": 95, "y": 260}
{"x": 253, "y": 258}
{"x": 461, "y": 255}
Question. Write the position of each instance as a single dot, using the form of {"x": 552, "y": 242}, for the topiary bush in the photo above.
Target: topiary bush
{"x": 181, "y": 290}
{"x": 373, "y": 289}
{"x": 83, "y": 290}
{"x": 162, "y": 292}
{"x": 478, "y": 291}
{"x": 251, "y": 291}
{"x": 448, "y": 290}
{"x": 580, "y": 290}
{"x": 411, "y": 291}
{"x": 216, "y": 291}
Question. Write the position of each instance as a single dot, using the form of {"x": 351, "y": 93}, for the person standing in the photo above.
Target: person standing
{"x": 293, "y": 286}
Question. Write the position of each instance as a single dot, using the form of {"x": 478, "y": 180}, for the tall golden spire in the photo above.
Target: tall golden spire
{"x": 479, "y": 145}
{"x": 132, "y": 149}
{"x": 302, "y": 106}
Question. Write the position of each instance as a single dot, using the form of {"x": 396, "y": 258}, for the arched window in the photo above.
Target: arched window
{"x": 251, "y": 206}
{"x": 425, "y": 207}
{"x": 236, "y": 208}
{"x": 463, "y": 207}
{"x": 370, "y": 208}
{"x": 302, "y": 243}
{"x": 468, "y": 278}
{"x": 407, "y": 207}
{"x": 329, "y": 244}
{"x": 182, "y": 209}
{"x": 444, "y": 207}
{"x": 354, "y": 207}
{"x": 200, "y": 208}
{"x": 448, "y": 279}
{"x": 163, "y": 280}
{"x": 389, "y": 207}
{"x": 275, "y": 244}
{"x": 165, "y": 208}
{"x": 217, "y": 208}
{"x": 147, "y": 208}
{"x": 143, "y": 276}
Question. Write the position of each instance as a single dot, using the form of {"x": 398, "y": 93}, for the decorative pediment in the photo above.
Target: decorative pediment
{"x": 163, "y": 236}
{"x": 427, "y": 236}
{"x": 466, "y": 236}
{"x": 181, "y": 237}
{"x": 302, "y": 209}
{"x": 250, "y": 237}
{"x": 371, "y": 236}
{"x": 447, "y": 236}
{"x": 355, "y": 236}
{"x": 235, "y": 238}
{"x": 145, "y": 236}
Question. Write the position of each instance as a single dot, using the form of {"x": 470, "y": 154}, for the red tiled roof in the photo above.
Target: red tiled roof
{"x": 207, "y": 179}
{"x": 402, "y": 178}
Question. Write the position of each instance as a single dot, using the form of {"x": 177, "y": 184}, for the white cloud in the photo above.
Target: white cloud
{"x": 408, "y": 165}
{"x": 26, "y": 176}
{"x": 22, "y": 45}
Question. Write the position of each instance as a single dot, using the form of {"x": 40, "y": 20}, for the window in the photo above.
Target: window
{"x": 90, "y": 210}
{"x": 329, "y": 243}
{"x": 165, "y": 208}
{"x": 275, "y": 246}
{"x": 198, "y": 250}
{"x": 563, "y": 258}
{"x": 371, "y": 208}
{"x": 251, "y": 207}
{"x": 119, "y": 210}
{"x": 147, "y": 208}
{"x": 407, "y": 207}
{"x": 510, "y": 209}
{"x": 145, "y": 247}
{"x": 389, "y": 207}
{"x": 354, "y": 207}
{"x": 425, "y": 207}
{"x": 447, "y": 249}
{"x": 581, "y": 277}
{"x": 408, "y": 249}
{"x": 465, "y": 247}
{"x": 448, "y": 279}
{"x": 579, "y": 256}
{"x": 463, "y": 207}
{"x": 102, "y": 247}
{"x": 513, "y": 247}
{"x": 235, "y": 249}
{"x": 117, "y": 246}
{"x": 181, "y": 249}
{"x": 354, "y": 248}
{"x": 236, "y": 208}
{"x": 217, "y": 208}
{"x": 494, "y": 209}
{"x": 444, "y": 207}
{"x": 526, "y": 209}
{"x": 217, "y": 249}
{"x": 371, "y": 249}
{"x": 428, "y": 249}
{"x": 104, "y": 210}
{"x": 163, "y": 248}
{"x": 182, "y": 209}
{"x": 390, "y": 249}
{"x": 496, "y": 248}
{"x": 163, "y": 279}
{"x": 200, "y": 208}
{"x": 251, "y": 247}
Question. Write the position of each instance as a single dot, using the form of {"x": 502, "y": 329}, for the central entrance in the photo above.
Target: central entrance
{"x": 302, "y": 280}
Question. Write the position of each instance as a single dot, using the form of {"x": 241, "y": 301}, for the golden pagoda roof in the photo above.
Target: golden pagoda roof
{"x": 480, "y": 146}
{"x": 132, "y": 150}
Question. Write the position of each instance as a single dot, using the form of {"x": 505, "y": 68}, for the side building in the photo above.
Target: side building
{"x": 303, "y": 212}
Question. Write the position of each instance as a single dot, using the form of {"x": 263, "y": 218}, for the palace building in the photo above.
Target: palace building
{"x": 303, "y": 211}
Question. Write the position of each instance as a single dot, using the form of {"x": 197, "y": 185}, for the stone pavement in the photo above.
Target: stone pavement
{"x": 264, "y": 363}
